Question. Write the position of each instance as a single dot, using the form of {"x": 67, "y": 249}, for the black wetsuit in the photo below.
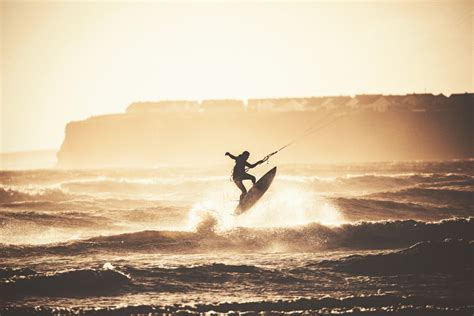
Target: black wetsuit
{"x": 239, "y": 174}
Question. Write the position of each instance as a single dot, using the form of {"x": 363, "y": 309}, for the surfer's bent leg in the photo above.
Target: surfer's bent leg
{"x": 249, "y": 177}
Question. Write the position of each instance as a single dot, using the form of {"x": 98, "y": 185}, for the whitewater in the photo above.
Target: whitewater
{"x": 355, "y": 239}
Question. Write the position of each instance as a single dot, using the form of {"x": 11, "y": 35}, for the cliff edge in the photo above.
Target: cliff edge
{"x": 349, "y": 129}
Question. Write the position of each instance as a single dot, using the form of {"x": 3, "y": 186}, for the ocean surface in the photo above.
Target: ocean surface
{"x": 366, "y": 239}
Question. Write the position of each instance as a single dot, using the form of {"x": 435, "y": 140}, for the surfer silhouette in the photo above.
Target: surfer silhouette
{"x": 240, "y": 170}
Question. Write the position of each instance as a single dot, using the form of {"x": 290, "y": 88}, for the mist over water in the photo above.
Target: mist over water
{"x": 398, "y": 233}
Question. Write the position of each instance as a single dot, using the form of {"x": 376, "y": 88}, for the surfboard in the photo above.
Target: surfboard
{"x": 256, "y": 192}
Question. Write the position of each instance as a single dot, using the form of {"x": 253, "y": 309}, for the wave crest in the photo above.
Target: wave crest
{"x": 312, "y": 237}
{"x": 11, "y": 195}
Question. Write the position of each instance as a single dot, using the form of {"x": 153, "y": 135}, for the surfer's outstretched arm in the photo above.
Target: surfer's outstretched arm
{"x": 230, "y": 155}
{"x": 253, "y": 165}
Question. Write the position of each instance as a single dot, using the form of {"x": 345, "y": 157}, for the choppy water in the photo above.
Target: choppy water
{"x": 388, "y": 238}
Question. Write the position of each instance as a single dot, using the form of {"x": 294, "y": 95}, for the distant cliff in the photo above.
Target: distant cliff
{"x": 349, "y": 129}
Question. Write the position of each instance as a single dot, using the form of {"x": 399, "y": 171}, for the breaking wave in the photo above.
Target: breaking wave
{"x": 311, "y": 237}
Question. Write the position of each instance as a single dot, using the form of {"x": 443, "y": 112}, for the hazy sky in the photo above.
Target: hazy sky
{"x": 63, "y": 61}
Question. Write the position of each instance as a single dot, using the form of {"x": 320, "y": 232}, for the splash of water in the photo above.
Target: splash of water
{"x": 282, "y": 208}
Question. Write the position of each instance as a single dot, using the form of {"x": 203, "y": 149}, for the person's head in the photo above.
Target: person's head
{"x": 245, "y": 155}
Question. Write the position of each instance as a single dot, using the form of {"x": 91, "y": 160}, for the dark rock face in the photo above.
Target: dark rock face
{"x": 359, "y": 129}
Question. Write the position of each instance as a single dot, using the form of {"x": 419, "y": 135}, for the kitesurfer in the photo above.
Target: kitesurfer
{"x": 240, "y": 170}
